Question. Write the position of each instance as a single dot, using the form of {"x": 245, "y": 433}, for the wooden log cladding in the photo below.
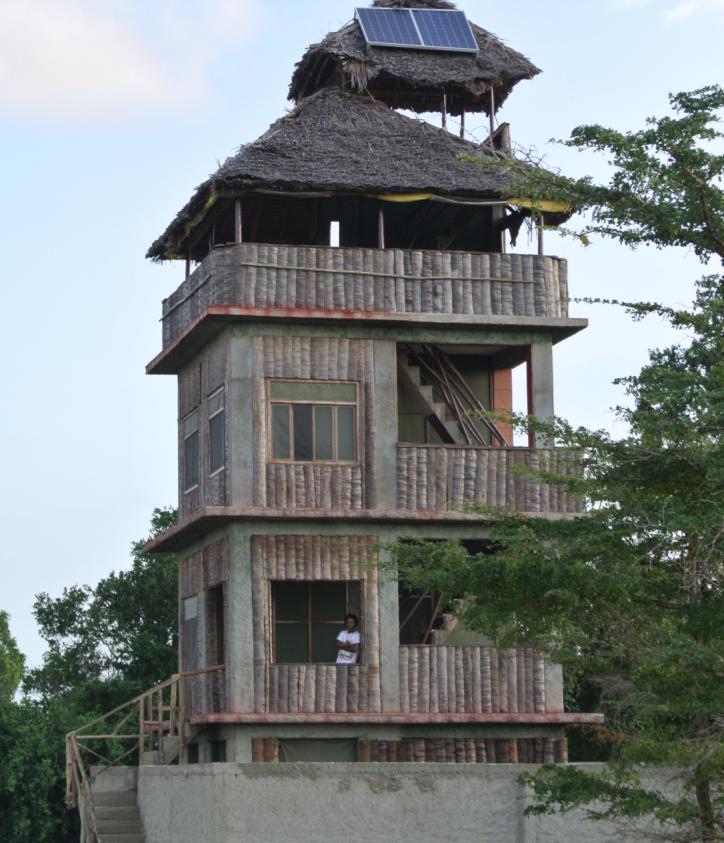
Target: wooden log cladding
{"x": 492, "y": 476}
{"x": 439, "y": 750}
{"x": 313, "y": 485}
{"x": 315, "y": 688}
{"x": 472, "y": 679}
{"x": 393, "y": 281}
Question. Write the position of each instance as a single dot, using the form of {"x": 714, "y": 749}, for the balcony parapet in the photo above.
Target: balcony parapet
{"x": 321, "y": 279}
{"x": 451, "y": 477}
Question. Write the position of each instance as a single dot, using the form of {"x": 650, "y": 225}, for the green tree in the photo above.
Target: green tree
{"x": 631, "y": 597}
{"x": 105, "y": 644}
{"x": 109, "y": 642}
{"x": 12, "y": 661}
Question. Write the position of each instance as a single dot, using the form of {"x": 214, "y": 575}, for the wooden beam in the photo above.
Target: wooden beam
{"x": 380, "y": 226}
{"x": 238, "y": 228}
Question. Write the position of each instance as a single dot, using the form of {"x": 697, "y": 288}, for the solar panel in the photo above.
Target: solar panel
{"x": 423, "y": 29}
{"x": 445, "y": 30}
{"x": 389, "y": 27}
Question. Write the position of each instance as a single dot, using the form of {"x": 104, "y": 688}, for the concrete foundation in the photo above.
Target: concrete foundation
{"x": 357, "y": 803}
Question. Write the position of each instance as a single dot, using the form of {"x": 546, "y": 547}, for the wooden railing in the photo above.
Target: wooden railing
{"x": 395, "y": 281}
{"x": 150, "y": 726}
{"x": 472, "y": 679}
{"x": 450, "y": 477}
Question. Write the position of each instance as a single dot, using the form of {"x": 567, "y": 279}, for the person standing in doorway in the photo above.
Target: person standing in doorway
{"x": 348, "y": 641}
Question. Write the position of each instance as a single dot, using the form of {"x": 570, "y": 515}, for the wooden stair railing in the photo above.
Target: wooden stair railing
{"x": 154, "y": 724}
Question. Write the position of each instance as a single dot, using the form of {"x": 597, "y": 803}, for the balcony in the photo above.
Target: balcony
{"x": 450, "y": 477}
{"x": 353, "y": 281}
{"x": 443, "y": 683}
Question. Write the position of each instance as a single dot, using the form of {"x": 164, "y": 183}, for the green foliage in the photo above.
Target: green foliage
{"x": 12, "y": 661}
{"x": 110, "y": 642}
{"x": 631, "y": 598}
{"x": 106, "y": 644}
{"x": 32, "y": 774}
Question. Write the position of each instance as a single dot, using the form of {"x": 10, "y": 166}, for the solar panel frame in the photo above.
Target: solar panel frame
{"x": 374, "y": 32}
{"x": 445, "y": 29}
{"x": 377, "y": 23}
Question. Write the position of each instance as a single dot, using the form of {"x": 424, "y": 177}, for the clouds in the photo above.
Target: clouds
{"x": 119, "y": 59}
{"x": 689, "y": 8}
{"x": 673, "y": 12}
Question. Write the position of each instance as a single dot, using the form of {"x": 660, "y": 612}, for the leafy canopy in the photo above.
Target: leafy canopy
{"x": 631, "y": 597}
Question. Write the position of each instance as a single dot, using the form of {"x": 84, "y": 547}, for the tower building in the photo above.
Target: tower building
{"x": 349, "y": 307}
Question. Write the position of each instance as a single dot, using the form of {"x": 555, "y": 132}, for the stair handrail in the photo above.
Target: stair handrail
{"x": 78, "y": 778}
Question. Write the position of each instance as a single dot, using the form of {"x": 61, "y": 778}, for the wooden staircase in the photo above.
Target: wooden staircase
{"x": 152, "y": 729}
{"x": 437, "y": 413}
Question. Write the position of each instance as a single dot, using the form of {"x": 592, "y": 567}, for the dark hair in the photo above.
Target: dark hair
{"x": 354, "y": 618}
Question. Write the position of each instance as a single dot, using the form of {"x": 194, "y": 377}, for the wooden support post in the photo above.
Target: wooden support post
{"x": 444, "y": 110}
{"x": 238, "y": 230}
{"x": 492, "y": 114}
{"x": 541, "y": 250}
{"x": 380, "y": 226}
{"x": 462, "y": 123}
{"x": 529, "y": 395}
{"x": 188, "y": 264}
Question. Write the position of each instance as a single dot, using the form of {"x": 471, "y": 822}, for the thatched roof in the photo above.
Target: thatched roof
{"x": 342, "y": 143}
{"x": 409, "y": 78}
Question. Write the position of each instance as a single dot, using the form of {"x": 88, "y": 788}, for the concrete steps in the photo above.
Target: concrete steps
{"x": 411, "y": 376}
{"x": 118, "y": 819}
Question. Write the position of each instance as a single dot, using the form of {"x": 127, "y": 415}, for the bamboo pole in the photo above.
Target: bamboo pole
{"x": 380, "y": 226}
{"x": 238, "y": 228}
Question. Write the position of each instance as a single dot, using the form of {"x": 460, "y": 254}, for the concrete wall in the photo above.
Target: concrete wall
{"x": 357, "y": 803}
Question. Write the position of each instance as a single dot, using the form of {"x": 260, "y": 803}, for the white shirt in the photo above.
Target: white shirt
{"x": 345, "y": 656}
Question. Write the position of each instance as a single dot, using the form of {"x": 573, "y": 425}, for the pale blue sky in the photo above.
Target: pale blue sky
{"x": 112, "y": 111}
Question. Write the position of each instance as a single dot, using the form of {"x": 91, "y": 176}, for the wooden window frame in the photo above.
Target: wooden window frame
{"x": 221, "y": 390}
{"x": 187, "y": 436}
{"x": 270, "y": 403}
{"x": 309, "y": 620}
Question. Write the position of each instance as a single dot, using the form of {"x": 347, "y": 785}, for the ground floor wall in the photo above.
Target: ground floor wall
{"x": 357, "y": 803}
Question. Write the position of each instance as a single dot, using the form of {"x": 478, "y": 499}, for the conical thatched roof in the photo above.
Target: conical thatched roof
{"x": 409, "y": 78}
{"x": 339, "y": 142}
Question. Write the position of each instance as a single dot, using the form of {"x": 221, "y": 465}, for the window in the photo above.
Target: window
{"x": 190, "y": 639}
{"x": 215, "y": 625}
{"x": 308, "y": 616}
{"x": 313, "y": 421}
{"x": 218, "y": 752}
{"x": 217, "y": 436}
{"x": 191, "y": 450}
{"x": 192, "y": 753}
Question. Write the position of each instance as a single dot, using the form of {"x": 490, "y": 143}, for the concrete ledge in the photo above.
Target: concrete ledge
{"x": 213, "y": 320}
{"x": 211, "y": 518}
{"x": 357, "y": 803}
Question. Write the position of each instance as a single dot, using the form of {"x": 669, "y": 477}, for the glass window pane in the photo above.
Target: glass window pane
{"x": 354, "y": 605}
{"x": 324, "y": 642}
{"x": 312, "y": 391}
{"x": 191, "y": 608}
{"x": 191, "y": 423}
{"x": 217, "y": 448}
{"x": 291, "y": 643}
{"x": 329, "y": 601}
{"x": 191, "y": 460}
{"x": 280, "y": 431}
{"x": 303, "y": 449}
{"x": 323, "y": 440}
{"x": 346, "y": 447}
{"x": 216, "y": 402}
{"x": 291, "y": 601}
